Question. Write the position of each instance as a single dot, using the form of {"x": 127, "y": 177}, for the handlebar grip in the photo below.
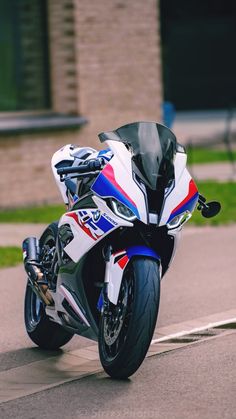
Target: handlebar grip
{"x": 95, "y": 165}
{"x": 89, "y": 166}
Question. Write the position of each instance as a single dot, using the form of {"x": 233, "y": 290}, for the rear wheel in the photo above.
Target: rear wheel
{"x": 126, "y": 329}
{"x": 41, "y": 330}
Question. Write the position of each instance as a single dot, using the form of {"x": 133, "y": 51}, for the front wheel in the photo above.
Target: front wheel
{"x": 126, "y": 329}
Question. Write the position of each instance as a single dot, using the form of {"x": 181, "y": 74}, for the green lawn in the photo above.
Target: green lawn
{"x": 45, "y": 214}
{"x": 10, "y": 256}
{"x": 214, "y": 191}
{"x": 225, "y": 193}
{"x": 208, "y": 155}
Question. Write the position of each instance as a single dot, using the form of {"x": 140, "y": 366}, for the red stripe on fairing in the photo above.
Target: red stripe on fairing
{"x": 123, "y": 261}
{"x": 73, "y": 215}
{"x": 191, "y": 192}
{"x": 108, "y": 172}
{"x": 84, "y": 228}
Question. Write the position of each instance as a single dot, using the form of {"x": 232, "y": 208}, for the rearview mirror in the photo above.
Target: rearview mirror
{"x": 211, "y": 209}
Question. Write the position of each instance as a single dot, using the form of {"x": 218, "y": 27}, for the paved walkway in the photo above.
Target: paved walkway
{"x": 221, "y": 172}
{"x": 14, "y": 234}
{"x": 205, "y": 127}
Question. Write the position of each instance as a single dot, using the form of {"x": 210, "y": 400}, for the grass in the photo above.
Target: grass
{"x": 225, "y": 193}
{"x": 10, "y": 256}
{"x": 213, "y": 191}
{"x": 209, "y": 155}
{"x": 44, "y": 214}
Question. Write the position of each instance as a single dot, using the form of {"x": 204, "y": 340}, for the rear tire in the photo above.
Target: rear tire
{"x": 126, "y": 330}
{"x": 41, "y": 330}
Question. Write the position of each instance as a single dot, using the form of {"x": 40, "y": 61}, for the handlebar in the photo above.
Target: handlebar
{"x": 87, "y": 167}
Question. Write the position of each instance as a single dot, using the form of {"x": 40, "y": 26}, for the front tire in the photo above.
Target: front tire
{"x": 41, "y": 330}
{"x": 126, "y": 329}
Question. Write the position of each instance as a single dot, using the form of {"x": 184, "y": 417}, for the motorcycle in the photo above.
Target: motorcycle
{"x": 97, "y": 271}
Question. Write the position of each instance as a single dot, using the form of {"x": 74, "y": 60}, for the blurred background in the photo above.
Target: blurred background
{"x": 70, "y": 69}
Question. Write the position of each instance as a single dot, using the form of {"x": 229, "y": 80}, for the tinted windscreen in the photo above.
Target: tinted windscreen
{"x": 153, "y": 147}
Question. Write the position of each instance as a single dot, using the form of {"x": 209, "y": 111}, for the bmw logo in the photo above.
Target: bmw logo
{"x": 96, "y": 215}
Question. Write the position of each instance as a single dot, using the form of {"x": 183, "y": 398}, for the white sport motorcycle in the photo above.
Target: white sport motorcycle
{"x": 97, "y": 271}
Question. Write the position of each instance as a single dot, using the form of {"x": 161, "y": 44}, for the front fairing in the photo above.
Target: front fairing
{"x": 152, "y": 149}
{"x": 179, "y": 200}
{"x": 147, "y": 173}
{"x": 117, "y": 181}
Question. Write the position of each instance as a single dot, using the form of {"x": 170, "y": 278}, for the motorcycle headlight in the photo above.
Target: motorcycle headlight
{"x": 122, "y": 211}
{"x": 179, "y": 220}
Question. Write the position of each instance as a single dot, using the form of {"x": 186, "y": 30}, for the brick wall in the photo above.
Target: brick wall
{"x": 63, "y": 69}
{"x": 118, "y": 62}
{"x": 105, "y": 65}
{"x": 26, "y": 177}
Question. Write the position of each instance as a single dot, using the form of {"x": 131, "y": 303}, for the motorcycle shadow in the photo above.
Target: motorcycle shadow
{"x": 24, "y": 356}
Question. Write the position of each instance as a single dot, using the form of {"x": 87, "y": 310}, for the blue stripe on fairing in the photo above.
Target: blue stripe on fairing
{"x": 104, "y": 188}
{"x": 142, "y": 251}
{"x": 107, "y": 154}
{"x": 104, "y": 224}
{"x": 189, "y": 206}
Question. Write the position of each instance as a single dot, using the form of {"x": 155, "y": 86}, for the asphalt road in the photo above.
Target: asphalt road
{"x": 196, "y": 382}
{"x": 193, "y": 382}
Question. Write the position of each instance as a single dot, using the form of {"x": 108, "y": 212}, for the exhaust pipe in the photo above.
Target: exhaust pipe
{"x": 31, "y": 258}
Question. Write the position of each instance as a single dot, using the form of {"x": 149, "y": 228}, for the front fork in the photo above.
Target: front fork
{"x": 115, "y": 266}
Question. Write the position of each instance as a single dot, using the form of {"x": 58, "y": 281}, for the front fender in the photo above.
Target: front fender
{"x": 116, "y": 265}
